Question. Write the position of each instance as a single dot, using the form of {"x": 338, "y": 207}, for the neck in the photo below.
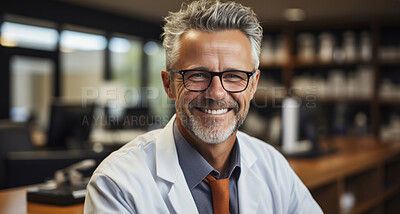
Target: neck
{"x": 217, "y": 155}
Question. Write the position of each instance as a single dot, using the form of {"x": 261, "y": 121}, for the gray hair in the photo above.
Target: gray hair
{"x": 210, "y": 16}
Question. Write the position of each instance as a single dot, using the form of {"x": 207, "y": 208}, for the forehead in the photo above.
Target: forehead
{"x": 214, "y": 50}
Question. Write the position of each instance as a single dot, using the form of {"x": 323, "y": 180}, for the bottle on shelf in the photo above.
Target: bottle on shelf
{"x": 326, "y": 47}
{"x": 365, "y": 47}
{"x": 349, "y": 46}
{"x": 306, "y": 47}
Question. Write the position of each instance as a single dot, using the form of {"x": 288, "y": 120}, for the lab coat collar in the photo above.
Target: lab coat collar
{"x": 166, "y": 155}
{"x": 246, "y": 155}
{"x": 167, "y": 166}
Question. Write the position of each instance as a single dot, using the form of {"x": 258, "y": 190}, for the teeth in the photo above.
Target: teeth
{"x": 219, "y": 111}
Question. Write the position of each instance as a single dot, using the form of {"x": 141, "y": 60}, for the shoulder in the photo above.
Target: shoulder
{"x": 132, "y": 155}
{"x": 121, "y": 181}
{"x": 272, "y": 168}
{"x": 258, "y": 147}
{"x": 264, "y": 159}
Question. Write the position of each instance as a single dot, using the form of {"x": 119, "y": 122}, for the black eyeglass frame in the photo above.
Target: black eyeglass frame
{"x": 214, "y": 73}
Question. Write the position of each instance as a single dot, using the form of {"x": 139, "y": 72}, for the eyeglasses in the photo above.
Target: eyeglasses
{"x": 198, "y": 80}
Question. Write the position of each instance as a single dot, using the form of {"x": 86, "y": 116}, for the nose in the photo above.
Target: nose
{"x": 215, "y": 91}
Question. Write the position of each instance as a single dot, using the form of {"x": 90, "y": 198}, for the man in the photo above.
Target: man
{"x": 200, "y": 162}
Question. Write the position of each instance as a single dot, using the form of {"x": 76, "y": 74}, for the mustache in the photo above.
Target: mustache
{"x": 210, "y": 103}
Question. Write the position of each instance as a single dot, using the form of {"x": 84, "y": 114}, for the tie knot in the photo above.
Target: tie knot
{"x": 210, "y": 179}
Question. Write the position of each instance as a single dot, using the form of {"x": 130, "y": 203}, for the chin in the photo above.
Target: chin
{"x": 211, "y": 132}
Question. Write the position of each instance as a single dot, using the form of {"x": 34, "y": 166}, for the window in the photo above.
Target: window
{"x": 82, "y": 62}
{"x": 126, "y": 66}
{"x": 28, "y": 36}
{"x": 159, "y": 102}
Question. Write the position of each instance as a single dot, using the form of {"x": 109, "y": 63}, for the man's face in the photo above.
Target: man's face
{"x": 212, "y": 115}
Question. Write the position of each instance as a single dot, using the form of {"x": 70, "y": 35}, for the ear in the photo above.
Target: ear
{"x": 165, "y": 76}
{"x": 254, "y": 84}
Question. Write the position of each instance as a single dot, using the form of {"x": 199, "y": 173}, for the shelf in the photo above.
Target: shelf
{"x": 375, "y": 201}
{"x": 327, "y": 198}
{"x": 333, "y": 100}
{"x": 274, "y": 66}
{"x": 389, "y": 63}
{"x": 392, "y": 204}
{"x": 392, "y": 174}
{"x": 391, "y": 191}
{"x": 316, "y": 64}
{"x": 267, "y": 100}
{"x": 365, "y": 187}
{"x": 345, "y": 100}
{"x": 366, "y": 206}
{"x": 381, "y": 34}
{"x": 389, "y": 102}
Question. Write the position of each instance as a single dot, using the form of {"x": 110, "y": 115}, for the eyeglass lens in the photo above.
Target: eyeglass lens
{"x": 200, "y": 80}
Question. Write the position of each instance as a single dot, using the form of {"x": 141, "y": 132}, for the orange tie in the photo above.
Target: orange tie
{"x": 220, "y": 194}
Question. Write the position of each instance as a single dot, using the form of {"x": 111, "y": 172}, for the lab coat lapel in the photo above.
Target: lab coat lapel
{"x": 251, "y": 189}
{"x": 181, "y": 198}
{"x": 168, "y": 169}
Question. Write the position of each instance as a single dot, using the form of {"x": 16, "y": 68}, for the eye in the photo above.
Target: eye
{"x": 231, "y": 76}
{"x": 235, "y": 76}
{"x": 197, "y": 76}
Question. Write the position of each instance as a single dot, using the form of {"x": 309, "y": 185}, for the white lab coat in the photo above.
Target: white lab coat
{"x": 144, "y": 177}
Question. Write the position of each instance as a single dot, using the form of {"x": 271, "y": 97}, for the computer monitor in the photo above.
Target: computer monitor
{"x": 128, "y": 118}
{"x": 70, "y": 125}
{"x": 300, "y": 129}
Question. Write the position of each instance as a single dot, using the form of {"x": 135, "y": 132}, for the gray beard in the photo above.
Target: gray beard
{"x": 211, "y": 133}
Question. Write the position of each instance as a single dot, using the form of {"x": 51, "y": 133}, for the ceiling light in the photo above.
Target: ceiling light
{"x": 294, "y": 14}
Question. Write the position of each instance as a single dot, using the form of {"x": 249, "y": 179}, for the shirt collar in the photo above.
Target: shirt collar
{"x": 195, "y": 167}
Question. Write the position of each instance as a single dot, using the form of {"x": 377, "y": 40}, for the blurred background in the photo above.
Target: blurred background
{"x": 83, "y": 76}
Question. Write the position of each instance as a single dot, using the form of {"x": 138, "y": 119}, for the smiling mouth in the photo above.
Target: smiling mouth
{"x": 214, "y": 111}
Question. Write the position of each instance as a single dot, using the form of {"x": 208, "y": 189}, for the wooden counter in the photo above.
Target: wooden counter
{"x": 364, "y": 168}
{"x": 14, "y": 201}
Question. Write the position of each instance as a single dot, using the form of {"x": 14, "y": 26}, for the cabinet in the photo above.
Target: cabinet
{"x": 350, "y": 71}
{"x": 362, "y": 177}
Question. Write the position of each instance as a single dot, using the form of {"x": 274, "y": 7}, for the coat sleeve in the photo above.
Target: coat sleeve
{"x": 104, "y": 196}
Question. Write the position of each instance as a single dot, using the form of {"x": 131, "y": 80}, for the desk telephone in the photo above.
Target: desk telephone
{"x": 68, "y": 186}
